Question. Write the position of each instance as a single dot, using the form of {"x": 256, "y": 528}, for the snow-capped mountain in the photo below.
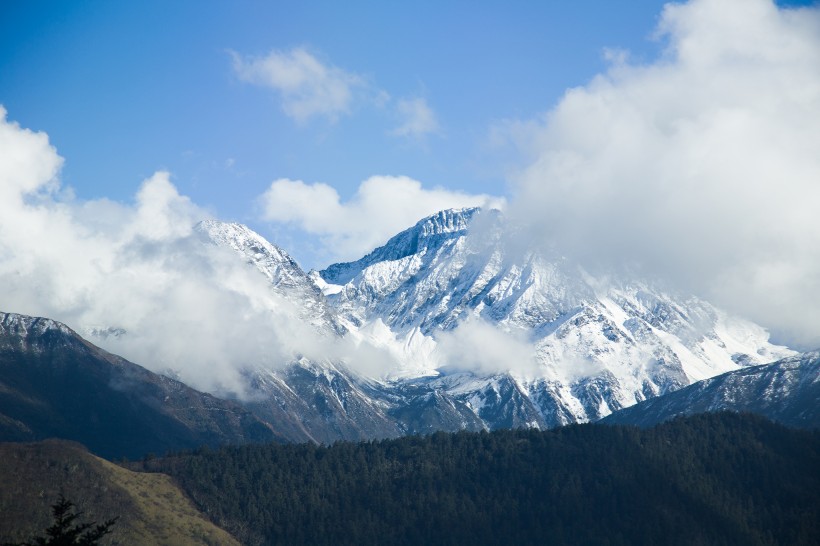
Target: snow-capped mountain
{"x": 787, "y": 391}
{"x": 441, "y": 294}
{"x": 470, "y": 331}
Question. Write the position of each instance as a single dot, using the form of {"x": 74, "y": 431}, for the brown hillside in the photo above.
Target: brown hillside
{"x": 152, "y": 510}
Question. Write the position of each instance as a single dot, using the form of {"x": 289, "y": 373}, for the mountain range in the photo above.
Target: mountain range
{"x": 580, "y": 346}
{"x": 461, "y": 328}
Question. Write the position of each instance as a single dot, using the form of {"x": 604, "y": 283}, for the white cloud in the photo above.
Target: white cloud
{"x": 308, "y": 87}
{"x": 702, "y": 166}
{"x": 381, "y": 207}
{"x": 483, "y": 348}
{"x": 142, "y": 268}
{"x": 418, "y": 119}
{"x": 29, "y": 162}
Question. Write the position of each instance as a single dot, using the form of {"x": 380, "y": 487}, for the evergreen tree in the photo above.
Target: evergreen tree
{"x": 65, "y": 532}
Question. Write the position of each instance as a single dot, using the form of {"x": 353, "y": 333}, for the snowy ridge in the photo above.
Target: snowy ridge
{"x": 24, "y": 326}
{"x": 285, "y": 276}
{"x": 269, "y": 259}
{"x": 20, "y": 331}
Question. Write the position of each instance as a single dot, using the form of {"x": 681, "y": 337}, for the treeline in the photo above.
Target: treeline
{"x": 709, "y": 479}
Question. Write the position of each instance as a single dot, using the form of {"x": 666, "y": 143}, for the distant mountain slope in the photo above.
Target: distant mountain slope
{"x": 320, "y": 402}
{"x": 53, "y": 383}
{"x": 150, "y": 507}
{"x": 787, "y": 391}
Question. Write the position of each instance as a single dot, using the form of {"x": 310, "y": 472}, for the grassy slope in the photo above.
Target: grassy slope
{"x": 151, "y": 508}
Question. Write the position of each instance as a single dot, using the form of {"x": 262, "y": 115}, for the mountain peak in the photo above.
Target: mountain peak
{"x": 18, "y": 329}
{"x": 587, "y": 345}
{"x": 15, "y": 324}
{"x": 446, "y": 221}
{"x": 427, "y": 232}
{"x": 269, "y": 259}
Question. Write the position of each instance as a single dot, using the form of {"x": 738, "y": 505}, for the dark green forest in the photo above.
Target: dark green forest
{"x": 708, "y": 479}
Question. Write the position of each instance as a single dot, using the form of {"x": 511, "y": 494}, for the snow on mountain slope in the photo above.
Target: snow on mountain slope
{"x": 432, "y": 231}
{"x": 321, "y": 402}
{"x": 597, "y": 344}
{"x": 283, "y": 273}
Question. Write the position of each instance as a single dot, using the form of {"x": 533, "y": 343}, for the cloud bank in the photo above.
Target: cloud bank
{"x": 702, "y": 166}
{"x": 381, "y": 207}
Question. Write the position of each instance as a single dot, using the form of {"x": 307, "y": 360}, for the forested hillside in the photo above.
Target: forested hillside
{"x": 708, "y": 479}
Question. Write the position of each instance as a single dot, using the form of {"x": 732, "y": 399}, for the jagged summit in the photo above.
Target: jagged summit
{"x": 428, "y": 232}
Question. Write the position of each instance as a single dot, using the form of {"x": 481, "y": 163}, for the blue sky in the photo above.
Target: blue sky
{"x": 126, "y": 88}
{"x": 680, "y": 137}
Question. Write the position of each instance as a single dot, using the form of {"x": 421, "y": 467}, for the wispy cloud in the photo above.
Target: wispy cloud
{"x": 381, "y": 207}
{"x": 308, "y": 87}
{"x": 418, "y": 119}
